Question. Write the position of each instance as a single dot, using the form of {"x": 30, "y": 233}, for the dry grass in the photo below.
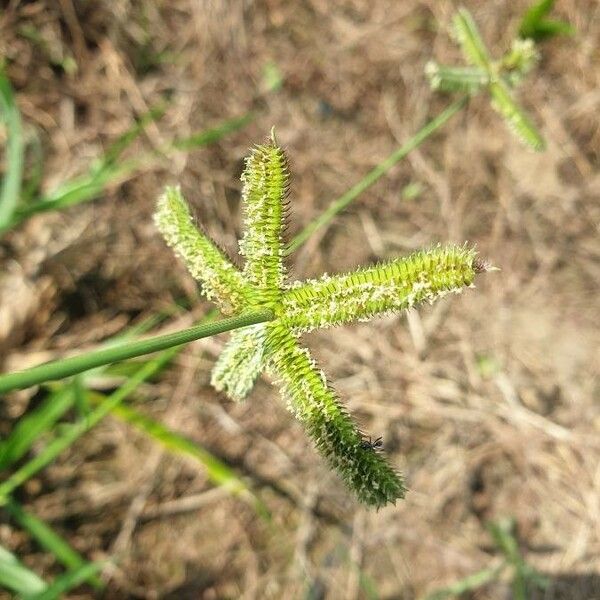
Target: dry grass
{"x": 488, "y": 402}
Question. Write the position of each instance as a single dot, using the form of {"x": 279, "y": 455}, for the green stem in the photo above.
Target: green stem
{"x": 11, "y": 182}
{"x": 381, "y": 169}
{"x": 83, "y": 362}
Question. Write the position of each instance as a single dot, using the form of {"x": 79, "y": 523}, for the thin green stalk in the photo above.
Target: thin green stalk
{"x": 83, "y": 362}
{"x": 72, "y": 433}
{"x": 48, "y": 539}
{"x": 11, "y": 183}
{"x": 381, "y": 169}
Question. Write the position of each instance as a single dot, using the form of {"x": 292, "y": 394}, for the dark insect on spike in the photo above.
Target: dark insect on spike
{"x": 370, "y": 444}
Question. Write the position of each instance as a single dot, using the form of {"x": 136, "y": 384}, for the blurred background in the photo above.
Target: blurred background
{"x": 488, "y": 402}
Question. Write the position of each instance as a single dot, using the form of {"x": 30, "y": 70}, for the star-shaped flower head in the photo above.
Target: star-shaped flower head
{"x": 300, "y": 307}
{"x": 483, "y": 73}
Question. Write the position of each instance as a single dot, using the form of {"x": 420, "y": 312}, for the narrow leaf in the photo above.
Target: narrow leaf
{"x": 32, "y": 426}
{"x": 340, "y": 204}
{"x": 217, "y": 471}
{"x": 210, "y": 136}
{"x": 48, "y": 539}
{"x": 536, "y": 27}
{"x": 73, "y": 432}
{"x": 11, "y": 182}
{"x": 471, "y": 583}
{"x": 70, "y": 580}
{"x": 18, "y": 578}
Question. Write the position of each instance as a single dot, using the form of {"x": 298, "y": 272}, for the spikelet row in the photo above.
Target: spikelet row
{"x": 332, "y": 430}
{"x": 264, "y": 193}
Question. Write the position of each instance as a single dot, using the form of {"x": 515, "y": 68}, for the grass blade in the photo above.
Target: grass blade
{"x": 18, "y": 578}
{"x": 381, "y": 169}
{"x": 109, "y": 171}
{"x": 211, "y": 135}
{"x": 48, "y": 539}
{"x": 11, "y": 182}
{"x": 468, "y": 584}
{"x": 217, "y": 471}
{"x": 176, "y": 443}
{"x": 536, "y": 27}
{"x": 33, "y": 425}
{"x": 66, "y": 582}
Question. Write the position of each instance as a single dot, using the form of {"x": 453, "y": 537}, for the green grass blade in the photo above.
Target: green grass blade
{"x": 78, "y": 190}
{"x": 516, "y": 119}
{"x": 504, "y": 536}
{"x": 18, "y": 578}
{"x": 48, "y": 539}
{"x": 381, "y": 169}
{"x": 472, "y": 46}
{"x": 70, "y": 580}
{"x": 33, "y": 425}
{"x": 114, "y": 151}
{"x": 536, "y": 27}
{"x": 36, "y": 422}
{"x": 217, "y": 471}
{"x": 176, "y": 443}
{"x": 75, "y": 431}
{"x": 11, "y": 182}
{"x": 109, "y": 171}
{"x": 468, "y": 584}
{"x": 84, "y": 362}
{"x": 212, "y": 135}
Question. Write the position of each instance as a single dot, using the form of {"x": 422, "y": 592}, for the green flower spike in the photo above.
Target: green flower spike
{"x": 302, "y": 306}
{"x": 483, "y": 73}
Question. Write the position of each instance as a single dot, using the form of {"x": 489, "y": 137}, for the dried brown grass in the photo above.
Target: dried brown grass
{"x": 521, "y": 440}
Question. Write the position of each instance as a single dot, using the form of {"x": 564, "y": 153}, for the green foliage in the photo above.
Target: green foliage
{"x": 48, "y": 539}
{"x": 523, "y": 577}
{"x": 11, "y": 182}
{"x": 109, "y": 169}
{"x": 535, "y": 26}
{"x": 70, "y": 580}
{"x": 33, "y": 425}
{"x": 18, "y": 578}
{"x": 303, "y": 306}
{"x": 497, "y": 77}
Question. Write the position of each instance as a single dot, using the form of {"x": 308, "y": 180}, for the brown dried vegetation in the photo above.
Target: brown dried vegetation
{"x": 489, "y": 403}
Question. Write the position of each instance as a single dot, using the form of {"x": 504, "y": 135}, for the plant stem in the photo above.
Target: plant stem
{"x": 381, "y": 169}
{"x": 10, "y": 188}
{"x": 83, "y": 362}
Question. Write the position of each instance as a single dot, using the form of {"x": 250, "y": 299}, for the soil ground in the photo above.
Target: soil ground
{"x": 488, "y": 402}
